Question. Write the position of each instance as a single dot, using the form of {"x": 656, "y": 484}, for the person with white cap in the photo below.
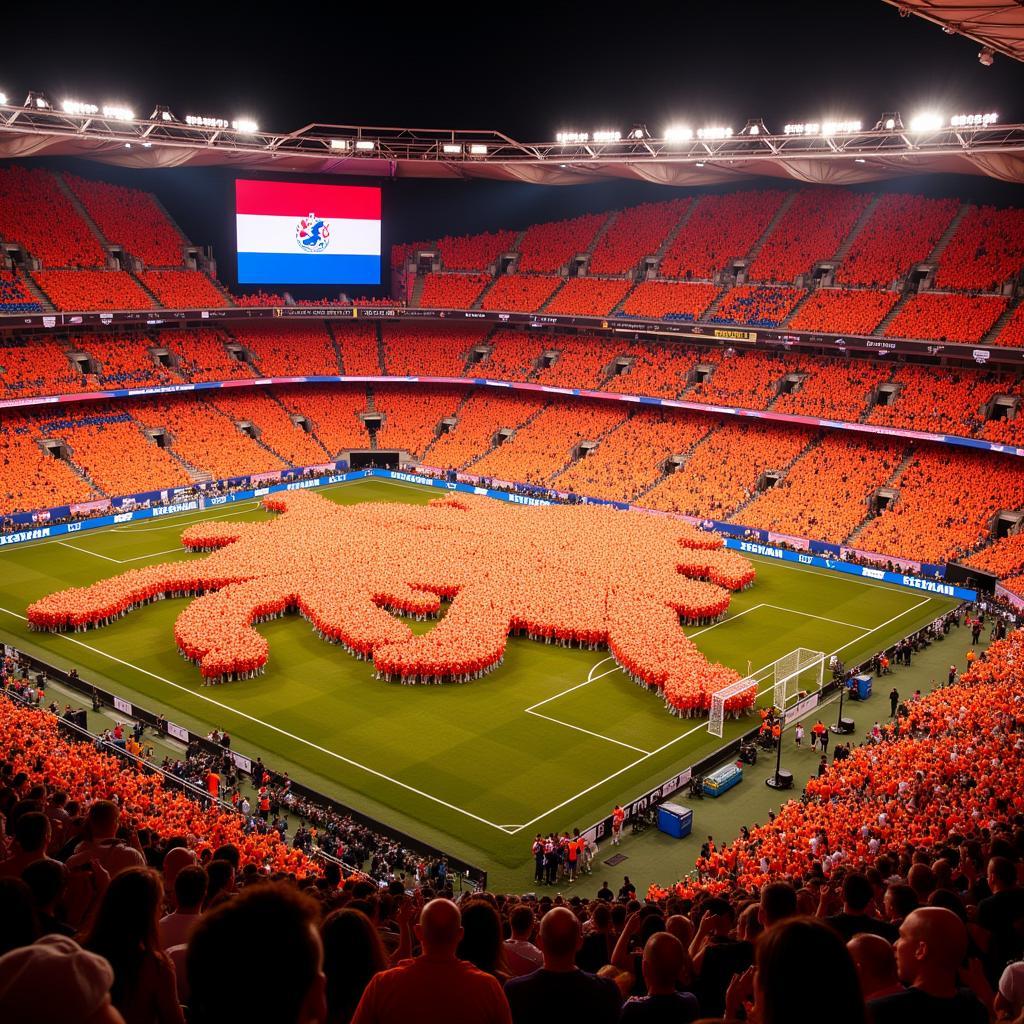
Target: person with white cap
{"x": 55, "y": 981}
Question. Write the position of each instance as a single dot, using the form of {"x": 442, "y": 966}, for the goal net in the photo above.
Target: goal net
{"x": 793, "y": 676}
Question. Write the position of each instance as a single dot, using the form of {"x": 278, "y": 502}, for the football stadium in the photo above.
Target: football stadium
{"x": 492, "y": 579}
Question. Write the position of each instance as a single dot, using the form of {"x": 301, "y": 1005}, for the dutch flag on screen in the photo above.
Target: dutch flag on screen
{"x": 307, "y": 234}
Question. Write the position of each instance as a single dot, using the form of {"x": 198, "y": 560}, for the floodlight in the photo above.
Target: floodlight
{"x": 452, "y": 147}
{"x": 840, "y": 127}
{"x": 245, "y": 126}
{"x": 928, "y": 121}
{"x": 986, "y": 55}
{"x": 572, "y": 138}
{"x": 973, "y": 120}
{"x": 162, "y": 114}
{"x": 607, "y": 136}
{"x": 802, "y": 128}
{"x": 116, "y": 112}
{"x": 700, "y": 163}
{"x": 890, "y": 122}
{"x": 340, "y": 144}
{"x": 365, "y": 144}
{"x": 78, "y": 107}
{"x": 478, "y": 149}
{"x": 3, "y": 99}
{"x": 755, "y": 126}
{"x": 200, "y": 121}
{"x": 38, "y": 100}
{"x": 678, "y": 133}
{"x": 859, "y": 160}
{"x": 713, "y": 132}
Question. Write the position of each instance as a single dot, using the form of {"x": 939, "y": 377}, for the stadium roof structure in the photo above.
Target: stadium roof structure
{"x": 999, "y": 26}
{"x": 884, "y": 152}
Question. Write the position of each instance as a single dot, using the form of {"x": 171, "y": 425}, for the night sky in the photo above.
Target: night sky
{"x": 525, "y": 69}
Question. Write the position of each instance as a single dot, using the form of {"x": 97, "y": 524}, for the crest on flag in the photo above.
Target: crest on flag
{"x": 312, "y": 234}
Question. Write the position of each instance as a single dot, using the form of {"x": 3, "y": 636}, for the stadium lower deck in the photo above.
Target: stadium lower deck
{"x": 547, "y": 741}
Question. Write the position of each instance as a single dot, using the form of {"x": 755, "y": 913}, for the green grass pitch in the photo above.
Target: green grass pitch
{"x": 550, "y": 740}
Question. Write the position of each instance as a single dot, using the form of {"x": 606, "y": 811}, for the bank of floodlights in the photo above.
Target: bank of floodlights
{"x": 714, "y": 133}
{"x": 973, "y": 120}
{"x": 572, "y": 138}
{"x": 678, "y": 133}
{"x": 926, "y": 121}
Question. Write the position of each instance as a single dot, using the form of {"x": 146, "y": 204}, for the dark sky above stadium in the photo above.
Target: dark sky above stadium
{"x": 522, "y": 68}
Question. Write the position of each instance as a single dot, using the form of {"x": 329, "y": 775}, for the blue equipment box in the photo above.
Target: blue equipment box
{"x": 861, "y": 687}
{"x": 723, "y": 779}
{"x": 675, "y": 820}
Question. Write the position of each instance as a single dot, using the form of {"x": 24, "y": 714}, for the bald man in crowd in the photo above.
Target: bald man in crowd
{"x": 436, "y": 987}
{"x": 663, "y": 961}
{"x": 560, "y": 990}
{"x": 875, "y": 960}
{"x": 930, "y": 951}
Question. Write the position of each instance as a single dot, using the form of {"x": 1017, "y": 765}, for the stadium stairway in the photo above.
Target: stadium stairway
{"x": 713, "y": 425}
{"x": 844, "y": 248}
{"x": 547, "y": 302}
{"x": 336, "y": 345}
{"x": 1004, "y": 319}
{"x": 417, "y": 290}
{"x": 478, "y": 302}
{"x": 880, "y": 330}
{"x": 793, "y": 312}
{"x": 781, "y": 470}
{"x": 79, "y": 472}
{"x": 497, "y": 426}
{"x": 466, "y": 395}
{"x": 157, "y": 304}
{"x": 381, "y": 351}
{"x": 32, "y": 286}
{"x": 784, "y": 206}
{"x": 573, "y": 459}
{"x": 269, "y": 392}
{"x": 940, "y": 245}
{"x": 263, "y": 444}
{"x": 712, "y": 310}
{"x": 893, "y": 484}
{"x": 80, "y": 209}
{"x": 198, "y": 476}
{"x": 602, "y": 231}
{"x": 673, "y": 234}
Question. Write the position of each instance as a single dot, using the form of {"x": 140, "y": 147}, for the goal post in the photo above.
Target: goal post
{"x": 802, "y": 671}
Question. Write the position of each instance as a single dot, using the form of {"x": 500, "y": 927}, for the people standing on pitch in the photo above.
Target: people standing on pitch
{"x": 618, "y": 817}
{"x": 798, "y": 732}
{"x": 894, "y": 701}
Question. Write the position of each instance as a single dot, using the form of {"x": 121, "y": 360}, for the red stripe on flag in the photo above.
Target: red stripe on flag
{"x": 290, "y": 199}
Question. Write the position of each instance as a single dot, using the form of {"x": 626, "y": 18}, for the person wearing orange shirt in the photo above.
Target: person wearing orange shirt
{"x": 618, "y": 817}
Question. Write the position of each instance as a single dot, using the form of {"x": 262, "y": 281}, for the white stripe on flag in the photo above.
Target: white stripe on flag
{"x": 257, "y": 233}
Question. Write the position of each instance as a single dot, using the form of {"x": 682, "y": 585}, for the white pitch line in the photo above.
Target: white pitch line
{"x": 722, "y": 622}
{"x": 703, "y": 725}
{"x": 120, "y": 561}
{"x": 833, "y": 574}
{"x": 589, "y": 679}
{"x": 824, "y": 618}
{"x": 273, "y": 728}
{"x": 245, "y": 506}
{"x": 579, "y": 728}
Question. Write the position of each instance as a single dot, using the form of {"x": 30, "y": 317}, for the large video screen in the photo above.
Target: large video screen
{"x": 289, "y": 233}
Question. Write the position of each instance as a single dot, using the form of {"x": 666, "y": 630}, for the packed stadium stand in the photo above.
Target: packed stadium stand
{"x": 201, "y": 355}
{"x": 452, "y": 291}
{"x": 721, "y": 473}
{"x": 183, "y": 289}
{"x": 843, "y": 310}
{"x": 720, "y": 228}
{"x": 549, "y": 247}
{"x": 520, "y": 293}
{"x": 474, "y": 252}
{"x": 38, "y": 215}
{"x": 825, "y": 492}
{"x": 837, "y": 389}
{"x": 583, "y": 362}
{"x": 750, "y": 379}
{"x": 119, "y": 361}
{"x": 430, "y": 350}
{"x": 1012, "y": 334}
{"x": 939, "y": 316}
{"x": 758, "y": 307}
{"x": 32, "y": 478}
{"x": 132, "y": 219}
{"x": 945, "y": 505}
{"x": 669, "y": 300}
{"x": 660, "y": 370}
{"x": 635, "y": 233}
{"x": 986, "y": 251}
{"x": 588, "y": 296}
{"x": 15, "y": 296}
{"x": 902, "y": 230}
{"x": 92, "y": 289}
{"x": 812, "y": 229}
{"x": 412, "y": 416}
{"x": 36, "y": 367}
{"x": 270, "y": 425}
{"x": 333, "y": 413}
{"x": 304, "y": 349}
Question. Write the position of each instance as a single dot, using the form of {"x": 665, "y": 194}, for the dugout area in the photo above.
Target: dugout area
{"x": 550, "y": 740}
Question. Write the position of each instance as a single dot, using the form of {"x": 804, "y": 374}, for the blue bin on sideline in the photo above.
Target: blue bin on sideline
{"x": 675, "y": 820}
{"x": 723, "y": 779}
{"x": 861, "y": 687}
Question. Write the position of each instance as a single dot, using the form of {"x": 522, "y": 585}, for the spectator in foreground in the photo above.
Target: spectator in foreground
{"x": 875, "y": 961}
{"x": 521, "y": 955}
{"x": 125, "y": 933}
{"x": 353, "y": 954}
{"x": 55, "y": 981}
{"x": 929, "y": 955}
{"x": 800, "y": 964}
{"x": 664, "y": 959}
{"x": 280, "y": 924}
{"x": 560, "y": 990}
{"x": 436, "y": 987}
{"x": 189, "y": 893}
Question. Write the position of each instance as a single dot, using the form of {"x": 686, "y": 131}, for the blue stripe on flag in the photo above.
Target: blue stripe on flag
{"x": 306, "y": 268}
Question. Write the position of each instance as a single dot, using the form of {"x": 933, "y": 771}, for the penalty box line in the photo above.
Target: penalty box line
{"x": 704, "y": 725}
